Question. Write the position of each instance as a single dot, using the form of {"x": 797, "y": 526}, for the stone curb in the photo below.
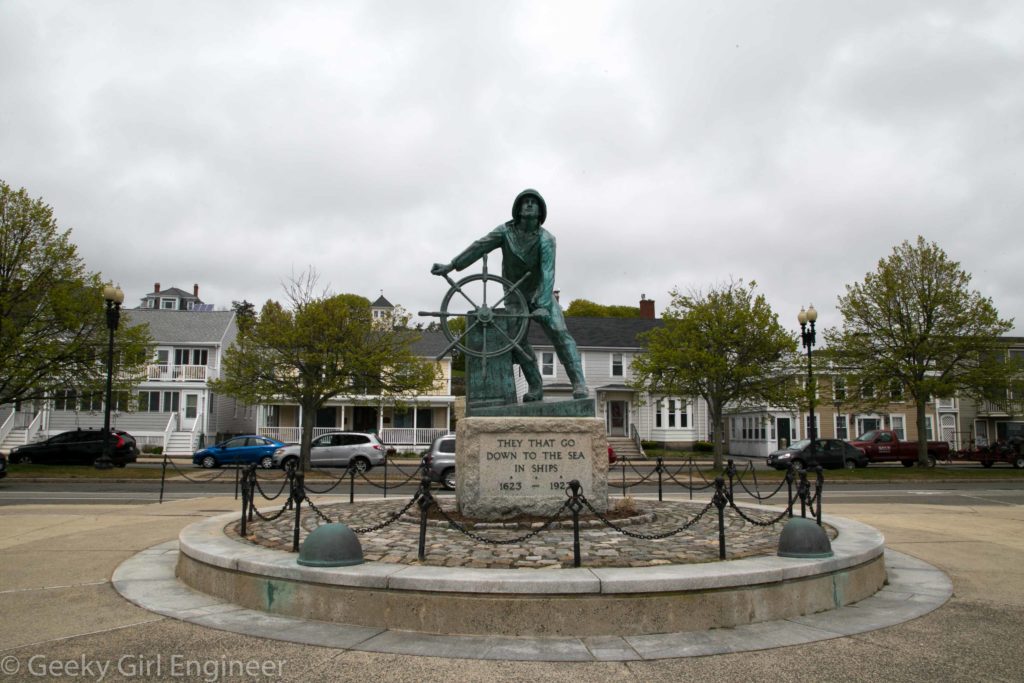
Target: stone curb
{"x": 914, "y": 589}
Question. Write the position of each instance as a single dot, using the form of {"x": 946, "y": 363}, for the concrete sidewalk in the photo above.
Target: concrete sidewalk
{"x": 60, "y": 611}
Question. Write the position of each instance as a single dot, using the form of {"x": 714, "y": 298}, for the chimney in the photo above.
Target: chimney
{"x": 646, "y": 307}
{"x": 156, "y": 288}
{"x": 195, "y": 290}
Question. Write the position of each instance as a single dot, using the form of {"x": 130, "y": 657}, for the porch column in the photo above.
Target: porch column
{"x": 415, "y": 434}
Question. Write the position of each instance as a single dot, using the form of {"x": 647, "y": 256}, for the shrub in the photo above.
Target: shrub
{"x": 152, "y": 449}
{"x": 626, "y": 506}
{"x": 648, "y": 445}
{"x": 703, "y": 446}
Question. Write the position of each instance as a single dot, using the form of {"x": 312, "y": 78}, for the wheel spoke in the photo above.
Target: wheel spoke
{"x": 455, "y": 342}
{"x": 513, "y": 288}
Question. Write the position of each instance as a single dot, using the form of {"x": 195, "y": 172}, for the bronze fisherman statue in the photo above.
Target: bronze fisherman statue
{"x": 526, "y": 247}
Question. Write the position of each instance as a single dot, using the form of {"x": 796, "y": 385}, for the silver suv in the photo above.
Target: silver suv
{"x": 336, "y": 449}
{"x": 439, "y": 462}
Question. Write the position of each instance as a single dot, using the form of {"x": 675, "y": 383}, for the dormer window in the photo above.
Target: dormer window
{"x": 168, "y": 304}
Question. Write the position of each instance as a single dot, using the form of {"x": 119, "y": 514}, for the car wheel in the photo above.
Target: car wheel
{"x": 850, "y": 464}
{"x": 290, "y": 462}
{"x": 25, "y": 460}
{"x": 360, "y": 464}
{"x": 448, "y": 478}
{"x": 907, "y": 463}
{"x": 799, "y": 465}
{"x": 266, "y": 462}
{"x": 1018, "y": 462}
{"x": 932, "y": 462}
{"x": 208, "y": 461}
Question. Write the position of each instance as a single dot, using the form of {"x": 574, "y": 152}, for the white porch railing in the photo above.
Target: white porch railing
{"x": 6, "y": 427}
{"x": 292, "y": 434}
{"x": 408, "y": 436}
{"x": 172, "y": 422}
{"x": 196, "y": 428}
{"x": 180, "y": 373}
{"x": 33, "y": 427}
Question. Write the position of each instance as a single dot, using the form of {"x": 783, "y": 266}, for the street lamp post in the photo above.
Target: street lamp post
{"x": 114, "y": 297}
{"x": 808, "y": 338}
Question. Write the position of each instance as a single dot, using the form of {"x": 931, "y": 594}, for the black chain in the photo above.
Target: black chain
{"x": 391, "y": 486}
{"x": 321, "y": 515}
{"x": 687, "y": 486}
{"x": 755, "y": 522}
{"x": 330, "y": 488}
{"x": 483, "y": 539}
{"x": 273, "y": 517}
{"x": 646, "y": 537}
{"x": 196, "y": 481}
{"x": 758, "y": 495}
{"x": 390, "y": 520}
{"x": 392, "y": 463}
{"x": 259, "y": 488}
{"x": 631, "y": 484}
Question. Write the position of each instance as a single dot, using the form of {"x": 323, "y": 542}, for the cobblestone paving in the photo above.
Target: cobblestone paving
{"x": 551, "y": 548}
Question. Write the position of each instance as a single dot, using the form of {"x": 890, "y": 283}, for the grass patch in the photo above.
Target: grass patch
{"x": 36, "y": 471}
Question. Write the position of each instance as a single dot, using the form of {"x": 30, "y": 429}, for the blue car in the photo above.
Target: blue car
{"x": 239, "y": 450}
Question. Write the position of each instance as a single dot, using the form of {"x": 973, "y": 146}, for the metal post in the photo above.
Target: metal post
{"x": 113, "y": 297}
{"x": 252, "y": 491}
{"x": 575, "y": 504}
{"x": 385, "y": 474}
{"x": 623, "y": 478}
{"x": 425, "y": 501}
{"x": 818, "y": 486}
{"x": 236, "y": 482}
{"x": 298, "y": 494}
{"x": 245, "y": 509}
{"x": 658, "y": 469}
{"x": 351, "y": 484}
{"x": 730, "y": 470}
{"x": 720, "y": 501}
{"x": 163, "y": 477}
{"x": 789, "y": 490}
{"x": 803, "y": 488}
{"x": 689, "y": 464}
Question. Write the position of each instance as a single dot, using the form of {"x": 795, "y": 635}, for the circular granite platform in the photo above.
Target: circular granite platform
{"x": 213, "y": 579}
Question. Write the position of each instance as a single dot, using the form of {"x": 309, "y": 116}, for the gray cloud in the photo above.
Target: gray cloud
{"x": 678, "y": 145}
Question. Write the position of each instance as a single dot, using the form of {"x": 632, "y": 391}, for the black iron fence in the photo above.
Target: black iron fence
{"x": 807, "y": 494}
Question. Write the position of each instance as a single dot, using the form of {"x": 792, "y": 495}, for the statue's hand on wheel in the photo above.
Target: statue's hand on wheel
{"x": 441, "y": 268}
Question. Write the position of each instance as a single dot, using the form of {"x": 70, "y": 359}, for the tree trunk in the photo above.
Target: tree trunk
{"x": 922, "y": 434}
{"x": 718, "y": 440}
{"x": 308, "y": 420}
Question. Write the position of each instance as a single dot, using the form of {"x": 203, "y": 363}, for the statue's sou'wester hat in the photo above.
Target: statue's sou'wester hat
{"x": 533, "y": 193}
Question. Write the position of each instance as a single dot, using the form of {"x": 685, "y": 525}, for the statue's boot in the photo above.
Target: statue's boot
{"x": 579, "y": 384}
{"x": 536, "y": 384}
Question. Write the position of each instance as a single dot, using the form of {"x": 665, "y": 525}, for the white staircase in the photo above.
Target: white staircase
{"x": 180, "y": 444}
{"x": 16, "y": 437}
{"x": 625, "y": 448}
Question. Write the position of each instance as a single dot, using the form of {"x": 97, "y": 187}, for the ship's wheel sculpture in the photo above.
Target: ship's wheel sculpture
{"x": 497, "y": 318}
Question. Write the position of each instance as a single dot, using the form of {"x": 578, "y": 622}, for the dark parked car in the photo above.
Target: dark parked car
{"x": 337, "y": 449}
{"x": 240, "y": 450}
{"x": 78, "y": 447}
{"x": 3, "y": 466}
{"x": 829, "y": 453}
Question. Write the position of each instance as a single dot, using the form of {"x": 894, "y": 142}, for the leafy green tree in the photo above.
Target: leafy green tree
{"x": 53, "y": 331}
{"x": 588, "y": 309}
{"x": 321, "y": 347}
{"x": 245, "y": 312}
{"x": 915, "y": 323}
{"x": 724, "y": 345}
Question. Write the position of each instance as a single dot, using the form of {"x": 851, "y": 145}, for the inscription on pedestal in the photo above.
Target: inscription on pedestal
{"x": 508, "y": 466}
{"x": 522, "y": 465}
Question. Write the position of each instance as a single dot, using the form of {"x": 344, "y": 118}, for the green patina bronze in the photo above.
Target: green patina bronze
{"x": 496, "y": 334}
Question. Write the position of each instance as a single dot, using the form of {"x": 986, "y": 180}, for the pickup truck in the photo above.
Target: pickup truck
{"x": 882, "y": 445}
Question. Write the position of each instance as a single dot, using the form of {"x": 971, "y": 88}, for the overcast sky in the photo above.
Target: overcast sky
{"x": 677, "y": 144}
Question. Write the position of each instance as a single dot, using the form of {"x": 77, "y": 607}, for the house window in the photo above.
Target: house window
{"x": 928, "y": 431}
{"x": 657, "y": 417}
{"x": 807, "y": 426}
{"x": 671, "y": 413}
{"x": 191, "y": 405}
{"x": 191, "y": 356}
{"x": 190, "y": 305}
{"x": 92, "y": 402}
{"x": 895, "y": 391}
{"x": 170, "y": 403}
{"x": 616, "y": 365}
{"x": 167, "y": 304}
{"x": 899, "y": 426}
{"x": 839, "y": 388}
{"x": 65, "y": 400}
{"x": 547, "y": 363}
{"x": 842, "y": 430}
{"x": 735, "y": 428}
{"x": 867, "y": 390}
{"x": 149, "y": 401}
